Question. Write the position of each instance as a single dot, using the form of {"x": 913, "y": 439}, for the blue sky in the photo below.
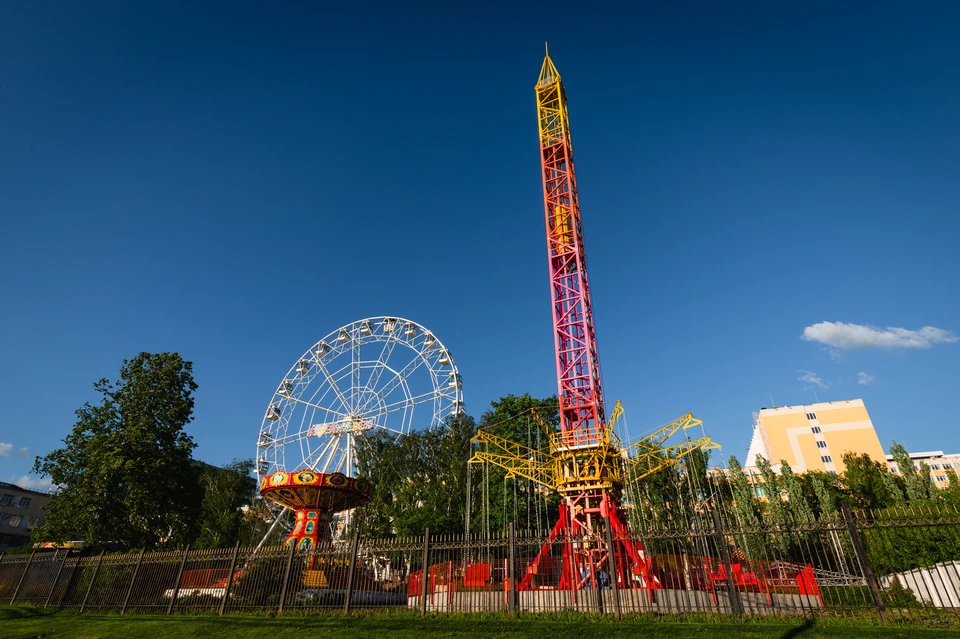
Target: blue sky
{"x": 235, "y": 180}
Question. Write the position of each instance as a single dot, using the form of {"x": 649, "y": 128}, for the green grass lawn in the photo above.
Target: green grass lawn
{"x": 23, "y": 623}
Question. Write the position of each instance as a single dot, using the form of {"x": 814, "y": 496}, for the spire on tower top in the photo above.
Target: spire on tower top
{"x": 548, "y": 72}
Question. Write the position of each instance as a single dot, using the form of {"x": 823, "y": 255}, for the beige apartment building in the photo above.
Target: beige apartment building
{"x": 21, "y": 510}
{"x": 815, "y": 437}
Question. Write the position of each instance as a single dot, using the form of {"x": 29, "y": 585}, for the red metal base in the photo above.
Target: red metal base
{"x": 584, "y": 549}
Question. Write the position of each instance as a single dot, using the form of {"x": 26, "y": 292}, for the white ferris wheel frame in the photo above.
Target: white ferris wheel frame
{"x": 325, "y": 401}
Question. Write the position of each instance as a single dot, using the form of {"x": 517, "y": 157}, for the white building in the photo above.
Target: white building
{"x": 938, "y": 462}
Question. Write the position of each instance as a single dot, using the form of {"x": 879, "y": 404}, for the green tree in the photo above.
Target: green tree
{"x": 797, "y": 505}
{"x": 816, "y": 484}
{"x": 776, "y": 513}
{"x": 256, "y": 521}
{"x": 420, "y": 480}
{"x": 917, "y": 485}
{"x": 894, "y": 492}
{"x": 826, "y": 501}
{"x": 497, "y": 499}
{"x": 126, "y": 472}
{"x": 745, "y": 509}
{"x": 226, "y": 491}
{"x": 864, "y": 482}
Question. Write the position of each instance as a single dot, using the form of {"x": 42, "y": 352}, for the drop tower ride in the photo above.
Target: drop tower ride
{"x": 587, "y": 453}
{"x": 585, "y": 461}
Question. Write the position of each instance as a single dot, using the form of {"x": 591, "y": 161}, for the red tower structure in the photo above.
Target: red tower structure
{"x": 586, "y": 462}
{"x": 587, "y": 452}
{"x": 578, "y": 369}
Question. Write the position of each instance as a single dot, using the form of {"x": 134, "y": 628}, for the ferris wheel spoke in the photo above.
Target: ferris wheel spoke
{"x": 404, "y": 403}
{"x": 334, "y": 387}
{"x": 381, "y": 364}
{"x": 318, "y": 407}
{"x": 354, "y": 373}
{"x": 332, "y": 443}
{"x": 330, "y": 457}
{"x": 392, "y": 430}
{"x": 397, "y": 379}
{"x": 286, "y": 439}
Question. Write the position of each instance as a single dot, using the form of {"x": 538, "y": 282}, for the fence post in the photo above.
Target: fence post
{"x": 736, "y": 605}
{"x": 286, "y": 575}
{"x": 512, "y": 573}
{"x": 69, "y": 586}
{"x": 57, "y": 578}
{"x": 96, "y": 570}
{"x": 126, "y": 597}
{"x": 425, "y": 574}
{"x": 354, "y": 548}
{"x": 861, "y": 551}
{"x": 226, "y": 590}
{"x": 23, "y": 576}
{"x": 176, "y": 586}
{"x": 612, "y": 569}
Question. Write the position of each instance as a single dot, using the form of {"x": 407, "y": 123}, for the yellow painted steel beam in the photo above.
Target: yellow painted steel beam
{"x": 515, "y": 467}
{"x": 656, "y": 438}
{"x": 659, "y": 458}
{"x": 516, "y": 459}
{"x": 604, "y": 464}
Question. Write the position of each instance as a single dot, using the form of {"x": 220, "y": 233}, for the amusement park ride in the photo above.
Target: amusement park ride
{"x": 335, "y": 394}
{"x": 379, "y": 375}
{"x": 586, "y": 462}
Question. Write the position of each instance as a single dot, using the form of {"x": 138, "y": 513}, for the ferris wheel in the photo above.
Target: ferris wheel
{"x": 377, "y": 375}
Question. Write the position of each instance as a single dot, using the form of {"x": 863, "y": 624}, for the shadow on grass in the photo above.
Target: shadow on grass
{"x": 23, "y": 612}
{"x": 809, "y": 624}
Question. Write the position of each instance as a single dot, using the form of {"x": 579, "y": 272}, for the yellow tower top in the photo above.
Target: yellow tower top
{"x": 548, "y": 72}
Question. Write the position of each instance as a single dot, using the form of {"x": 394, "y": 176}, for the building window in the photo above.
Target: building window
{"x": 811, "y": 416}
{"x": 935, "y": 467}
{"x": 831, "y": 472}
{"x": 941, "y": 478}
{"x": 826, "y": 459}
{"x": 758, "y": 491}
{"x": 821, "y": 444}
{"x": 6, "y": 499}
{"x": 25, "y": 502}
{"x": 33, "y": 522}
{"x": 815, "y": 429}
{"x": 10, "y": 520}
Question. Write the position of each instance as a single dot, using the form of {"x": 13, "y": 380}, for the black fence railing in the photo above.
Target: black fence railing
{"x": 897, "y": 565}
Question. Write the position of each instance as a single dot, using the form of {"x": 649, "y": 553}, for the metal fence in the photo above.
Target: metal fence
{"x": 890, "y": 566}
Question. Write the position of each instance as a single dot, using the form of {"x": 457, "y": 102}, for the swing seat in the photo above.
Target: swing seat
{"x": 315, "y": 579}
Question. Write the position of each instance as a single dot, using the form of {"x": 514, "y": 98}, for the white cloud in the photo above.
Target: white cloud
{"x": 34, "y": 483}
{"x": 7, "y": 449}
{"x": 810, "y": 377}
{"x": 865, "y": 379}
{"x": 834, "y": 354}
{"x": 846, "y": 336}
